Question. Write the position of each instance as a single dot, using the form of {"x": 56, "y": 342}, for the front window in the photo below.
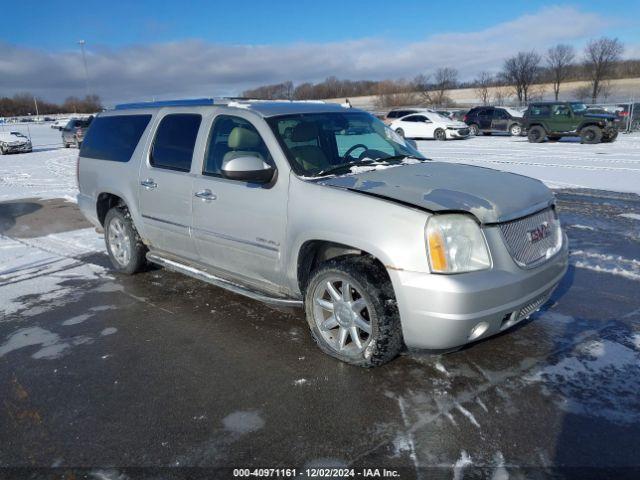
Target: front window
{"x": 322, "y": 143}
{"x": 578, "y": 108}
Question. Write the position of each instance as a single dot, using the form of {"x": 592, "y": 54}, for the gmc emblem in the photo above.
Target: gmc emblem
{"x": 541, "y": 232}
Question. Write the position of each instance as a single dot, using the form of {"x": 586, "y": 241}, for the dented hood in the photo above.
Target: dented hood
{"x": 490, "y": 195}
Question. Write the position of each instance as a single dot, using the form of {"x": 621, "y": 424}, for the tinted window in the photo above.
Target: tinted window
{"x": 392, "y": 114}
{"x": 114, "y": 138}
{"x": 174, "y": 142}
{"x": 499, "y": 113}
{"x": 233, "y": 137}
{"x": 539, "y": 110}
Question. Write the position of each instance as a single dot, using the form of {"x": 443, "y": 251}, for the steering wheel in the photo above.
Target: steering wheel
{"x": 356, "y": 146}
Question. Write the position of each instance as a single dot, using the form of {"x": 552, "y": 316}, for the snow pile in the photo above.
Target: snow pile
{"x": 600, "y": 262}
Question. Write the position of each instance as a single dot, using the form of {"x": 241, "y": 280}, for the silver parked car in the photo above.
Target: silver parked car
{"x": 326, "y": 208}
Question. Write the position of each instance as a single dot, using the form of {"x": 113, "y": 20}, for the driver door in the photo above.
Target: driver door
{"x": 239, "y": 227}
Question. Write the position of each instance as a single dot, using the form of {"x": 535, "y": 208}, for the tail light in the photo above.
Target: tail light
{"x": 464, "y": 119}
{"x": 623, "y": 114}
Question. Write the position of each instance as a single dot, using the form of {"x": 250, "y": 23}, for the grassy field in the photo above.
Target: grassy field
{"x": 622, "y": 90}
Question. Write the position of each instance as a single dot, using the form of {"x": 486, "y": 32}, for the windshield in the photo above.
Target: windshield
{"x": 318, "y": 142}
{"x": 578, "y": 107}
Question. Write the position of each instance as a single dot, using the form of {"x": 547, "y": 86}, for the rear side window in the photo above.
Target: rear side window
{"x": 539, "y": 110}
{"x": 114, "y": 138}
{"x": 175, "y": 140}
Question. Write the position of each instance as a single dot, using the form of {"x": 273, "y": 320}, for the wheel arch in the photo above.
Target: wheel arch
{"x": 314, "y": 252}
{"x": 105, "y": 202}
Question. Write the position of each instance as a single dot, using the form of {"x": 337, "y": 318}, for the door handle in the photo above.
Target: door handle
{"x": 148, "y": 183}
{"x": 206, "y": 195}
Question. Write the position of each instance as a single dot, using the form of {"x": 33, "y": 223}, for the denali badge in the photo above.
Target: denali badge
{"x": 540, "y": 232}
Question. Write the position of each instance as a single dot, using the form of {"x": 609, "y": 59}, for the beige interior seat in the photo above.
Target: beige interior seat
{"x": 310, "y": 157}
{"x": 243, "y": 142}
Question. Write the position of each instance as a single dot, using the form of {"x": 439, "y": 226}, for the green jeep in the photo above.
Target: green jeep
{"x": 554, "y": 120}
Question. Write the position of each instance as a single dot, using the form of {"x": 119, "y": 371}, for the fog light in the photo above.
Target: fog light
{"x": 478, "y": 330}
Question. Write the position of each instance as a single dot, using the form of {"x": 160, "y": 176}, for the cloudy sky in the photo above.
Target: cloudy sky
{"x": 156, "y": 49}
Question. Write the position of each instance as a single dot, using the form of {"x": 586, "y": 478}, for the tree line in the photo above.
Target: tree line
{"x": 24, "y": 104}
{"x": 519, "y": 80}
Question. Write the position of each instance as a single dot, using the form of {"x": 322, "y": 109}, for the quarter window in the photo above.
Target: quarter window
{"x": 114, "y": 138}
{"x": 175, "y": 140}
{"x": 233, "y": 137}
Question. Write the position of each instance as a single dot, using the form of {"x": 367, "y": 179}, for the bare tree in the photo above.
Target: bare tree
{"x": 445, "y": 79}
{"x": 582, "y": 93}
{"x": 559, "y": 59}
{"x": 521, "y": 71}
{"x": 601, "y": 55}
{"x": 483, "y": 83}
{"x": 501, "y": 95}
{"x": 424, "y": 88}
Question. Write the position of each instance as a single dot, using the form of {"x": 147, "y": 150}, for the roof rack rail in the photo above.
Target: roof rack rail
{"x": 188, "y": 102}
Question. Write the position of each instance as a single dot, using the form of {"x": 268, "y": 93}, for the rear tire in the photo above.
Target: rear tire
{"x": 124, "y": 246}
{"x": 440, "y": 135}
{"x": 475, "y": 129}
{"x": 536, "y": 134}
{"x": 366, "y": 310}
{"x": 591, "y": 135}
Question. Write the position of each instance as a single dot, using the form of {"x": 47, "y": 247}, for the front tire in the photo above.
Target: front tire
{"x": 536, "y": 134}
{"x": 400, "y": 132}
{"x": 440, "y": 135}
{"x": 591, "y": 135}
{"x": 611, "y": 137}
{"x": 124, "y": 246}
{"x": 352, "y": 312}
{"x": 515, "y": 130}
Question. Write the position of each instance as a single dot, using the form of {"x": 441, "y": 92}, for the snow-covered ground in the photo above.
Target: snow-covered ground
{"x": 48, "y": 172}
{"x": 564, "y": 164}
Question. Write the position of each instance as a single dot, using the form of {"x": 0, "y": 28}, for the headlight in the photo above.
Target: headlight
{"x": 456, "y": 244}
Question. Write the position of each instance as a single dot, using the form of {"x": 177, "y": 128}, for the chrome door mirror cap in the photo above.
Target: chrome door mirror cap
{"x": 248, "y": 169}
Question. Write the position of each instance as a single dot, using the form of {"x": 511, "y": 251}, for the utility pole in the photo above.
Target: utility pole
{"x": 86, "y": 71}
{"x": 35, "y": 101}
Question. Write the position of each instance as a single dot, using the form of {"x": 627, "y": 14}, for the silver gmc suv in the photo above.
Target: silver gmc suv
{"x": 325, "y": 208}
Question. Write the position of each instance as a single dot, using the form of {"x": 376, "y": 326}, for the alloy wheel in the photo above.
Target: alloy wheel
{"x": 119, "y": 242}
{"x": 342, "y": 315}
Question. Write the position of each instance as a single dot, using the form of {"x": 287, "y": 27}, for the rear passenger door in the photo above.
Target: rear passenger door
{"x": 165, "y": 184}
{"x": 500, "y": 120}
{"x": 239, "y": 227}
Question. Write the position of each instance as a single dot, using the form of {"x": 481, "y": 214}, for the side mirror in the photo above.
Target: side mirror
{"x": 248, "y": 169}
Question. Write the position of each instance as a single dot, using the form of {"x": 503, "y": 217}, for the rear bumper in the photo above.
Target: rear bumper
{"x": 441, "y": 311}
{"x": 87, "y": 206}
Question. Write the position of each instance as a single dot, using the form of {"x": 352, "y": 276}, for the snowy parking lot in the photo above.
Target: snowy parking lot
{"x": 563, "y": 164}
{"x": 158, "y": 369}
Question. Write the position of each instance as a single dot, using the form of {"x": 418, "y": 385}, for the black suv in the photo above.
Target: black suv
{"x": 554, "y": 120}
{"x": 488, "y": 120}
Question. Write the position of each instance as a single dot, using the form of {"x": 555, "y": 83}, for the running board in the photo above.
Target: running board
{"x": 221, "y": 282}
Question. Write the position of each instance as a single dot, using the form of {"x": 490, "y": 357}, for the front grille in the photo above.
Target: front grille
{"x": 463, "y": 131}
{"x": 533, "y": 239}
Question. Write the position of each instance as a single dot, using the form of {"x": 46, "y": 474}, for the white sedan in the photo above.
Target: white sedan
{"x": 430, "y": 125}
